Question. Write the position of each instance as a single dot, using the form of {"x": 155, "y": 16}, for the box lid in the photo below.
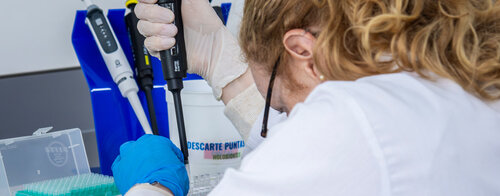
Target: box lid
{"x": 42, "y": 156}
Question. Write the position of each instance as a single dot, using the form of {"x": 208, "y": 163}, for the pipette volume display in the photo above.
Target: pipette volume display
{"x": 115, "y": 60}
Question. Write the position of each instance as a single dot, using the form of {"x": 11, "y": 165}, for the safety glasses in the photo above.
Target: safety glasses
{"x": 263, "y": 132}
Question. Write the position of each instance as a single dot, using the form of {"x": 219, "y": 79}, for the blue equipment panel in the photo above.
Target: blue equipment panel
{"x": 226, "y": 7}
{"x": 115, "y": 121}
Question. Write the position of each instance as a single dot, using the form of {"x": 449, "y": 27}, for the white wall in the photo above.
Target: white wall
{"x": 36, "y": 35}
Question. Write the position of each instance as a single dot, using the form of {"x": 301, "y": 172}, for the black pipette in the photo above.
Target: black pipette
{"x": 142, "y": 61}
{"x": 174, "y": 64}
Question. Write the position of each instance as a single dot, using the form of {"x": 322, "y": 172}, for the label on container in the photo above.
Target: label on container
{"x": 218, "y": 151}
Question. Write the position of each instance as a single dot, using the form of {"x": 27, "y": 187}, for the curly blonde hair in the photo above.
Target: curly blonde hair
{"x": 455, "y": 39}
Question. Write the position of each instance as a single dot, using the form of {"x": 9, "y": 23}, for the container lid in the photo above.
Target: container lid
{"x": 195, "y": 93}
{"x": 43, "y": 156}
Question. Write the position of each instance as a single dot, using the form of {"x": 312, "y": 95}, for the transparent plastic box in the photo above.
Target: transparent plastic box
{"x": 42, "y": 156}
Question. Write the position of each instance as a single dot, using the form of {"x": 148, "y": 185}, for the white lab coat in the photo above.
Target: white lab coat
{"x": 254, "y": 138}
{"x": 393, "y": 134}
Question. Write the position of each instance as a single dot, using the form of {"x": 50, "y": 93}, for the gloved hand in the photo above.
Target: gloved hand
{"x": 212, "y": 51}
{"x": 151, "y": 159}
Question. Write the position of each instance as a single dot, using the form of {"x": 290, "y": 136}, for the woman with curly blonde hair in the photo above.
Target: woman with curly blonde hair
{"x": 379, "y": 97}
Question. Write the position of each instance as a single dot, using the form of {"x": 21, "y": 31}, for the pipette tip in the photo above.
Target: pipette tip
{"x": 139, "y": 111}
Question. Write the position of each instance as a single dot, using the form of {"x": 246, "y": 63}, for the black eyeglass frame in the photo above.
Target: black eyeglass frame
{"x": 264, "y": 129}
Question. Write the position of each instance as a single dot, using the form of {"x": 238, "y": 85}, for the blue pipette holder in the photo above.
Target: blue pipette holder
{"x": 115, "y": 121}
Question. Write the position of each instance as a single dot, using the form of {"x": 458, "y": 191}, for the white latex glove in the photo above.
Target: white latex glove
{"x": 212, "y": 51}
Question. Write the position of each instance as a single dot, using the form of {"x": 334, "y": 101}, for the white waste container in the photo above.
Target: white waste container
{"x": 213, "y": 142}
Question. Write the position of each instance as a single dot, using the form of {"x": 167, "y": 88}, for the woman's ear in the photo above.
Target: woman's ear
{"x": 300, "y": 44}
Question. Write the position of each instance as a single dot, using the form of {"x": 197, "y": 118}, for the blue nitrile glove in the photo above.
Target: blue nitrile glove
{"x": 151, "y": 159}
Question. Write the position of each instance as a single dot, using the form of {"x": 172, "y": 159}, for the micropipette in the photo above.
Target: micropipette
{"x": 174, "y": 64}
{"x": 142, "y": 61}
{"x": 115, "y": 60}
